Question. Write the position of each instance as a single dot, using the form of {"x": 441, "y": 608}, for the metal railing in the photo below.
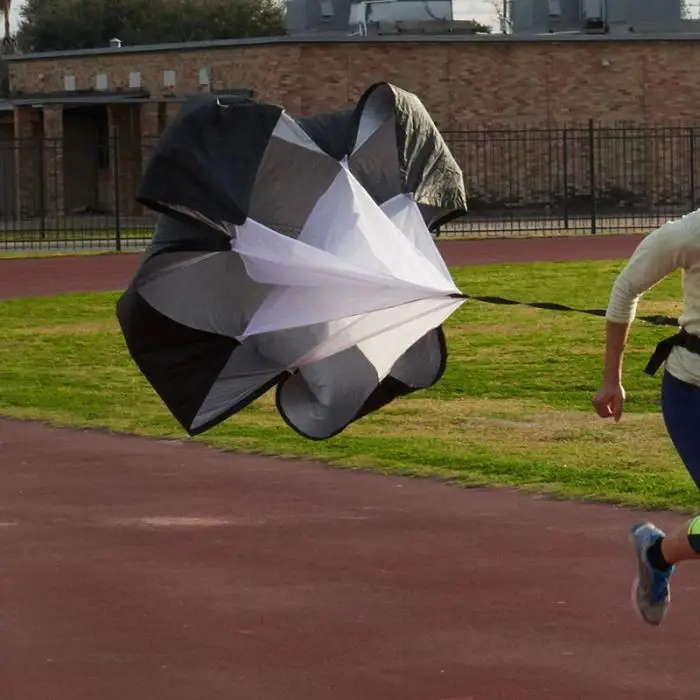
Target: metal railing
{"x": 55, "y": 195}
{"x": 521, "y": 181}
{"x": 581, "y": 179}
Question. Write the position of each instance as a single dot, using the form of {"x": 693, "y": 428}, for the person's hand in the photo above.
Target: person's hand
{"x": 610, "y": 400}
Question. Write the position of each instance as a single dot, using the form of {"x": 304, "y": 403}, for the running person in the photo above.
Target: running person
{"x": 673, "y": 246}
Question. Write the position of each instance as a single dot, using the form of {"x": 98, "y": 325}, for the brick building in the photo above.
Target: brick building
{"x": 82, "y": 121}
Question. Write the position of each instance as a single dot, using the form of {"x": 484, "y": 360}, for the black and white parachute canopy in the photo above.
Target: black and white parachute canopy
{"x": 296, "y": 254}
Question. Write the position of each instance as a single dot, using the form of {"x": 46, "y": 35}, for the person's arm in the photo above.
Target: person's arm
{"x": 616, "y": 335}
{"x": 610, "y": 399}
{"x": 674, "y": 245}
{"x": 671, "y": 246}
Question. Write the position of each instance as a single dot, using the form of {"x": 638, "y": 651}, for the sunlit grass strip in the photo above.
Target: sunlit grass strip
{"x": 512, "y": 409}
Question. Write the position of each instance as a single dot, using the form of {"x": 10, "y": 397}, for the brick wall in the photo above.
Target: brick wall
{"x": 556, "y": 170}
{"x": 28, "y": 129}
{"x": 53, "y": 160}
{"x": 463, "y": 84}
{"x": 466, "y": 85}
{"x": 126, "y": 164}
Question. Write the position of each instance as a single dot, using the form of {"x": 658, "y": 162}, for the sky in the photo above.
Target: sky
{"x": 14, "y": 14}
{"x": 480, "y": 10}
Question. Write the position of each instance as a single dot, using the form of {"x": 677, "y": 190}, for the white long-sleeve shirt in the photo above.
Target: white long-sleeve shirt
{"x": 673, "y": 246}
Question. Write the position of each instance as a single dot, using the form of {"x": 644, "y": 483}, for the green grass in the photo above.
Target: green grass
{"x": 512, "y": 409}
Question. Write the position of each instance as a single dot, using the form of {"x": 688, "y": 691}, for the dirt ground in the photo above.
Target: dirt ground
{"x": 154, "y": 570}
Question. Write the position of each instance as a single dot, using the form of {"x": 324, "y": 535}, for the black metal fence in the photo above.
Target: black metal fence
{"x": 521, "y": 181}
{"x": 58, "y": 195}
{"x": 582, "y": 179}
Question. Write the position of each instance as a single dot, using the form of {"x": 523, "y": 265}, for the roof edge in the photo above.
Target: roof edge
{"x": 347, "y": 39}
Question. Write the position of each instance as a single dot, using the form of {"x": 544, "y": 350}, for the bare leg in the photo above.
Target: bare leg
{"x": 657, "y": 557}
{"x": 657, "y": 553}
{"x": 677, "y": 546}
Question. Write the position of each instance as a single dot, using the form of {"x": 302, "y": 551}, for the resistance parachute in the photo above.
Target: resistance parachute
{"x": 294, "y": 254}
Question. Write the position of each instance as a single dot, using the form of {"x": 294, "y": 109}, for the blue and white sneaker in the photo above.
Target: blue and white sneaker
{"x": 651, "y": 592}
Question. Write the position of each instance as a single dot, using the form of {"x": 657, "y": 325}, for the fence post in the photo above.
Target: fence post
{"x": 593, "y": 184}
{"x": 692, "y": 167}
{"x": 565, "y": 174}
{"x": 42, "y": 146}
{"x": 117, "y": 199}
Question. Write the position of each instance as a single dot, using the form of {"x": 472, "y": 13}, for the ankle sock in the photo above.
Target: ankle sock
{"x": 656, "y": 558}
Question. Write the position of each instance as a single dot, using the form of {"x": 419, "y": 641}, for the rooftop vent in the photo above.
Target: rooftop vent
{"x": 554, "y": 8}
{"x": 594, "y": 15}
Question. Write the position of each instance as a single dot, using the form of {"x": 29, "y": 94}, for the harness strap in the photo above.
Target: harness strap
{"x": 664, "y": 348}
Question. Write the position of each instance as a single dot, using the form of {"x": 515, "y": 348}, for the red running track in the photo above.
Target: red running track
{"x": 42, "y": 276}
{"x": 155, "y": 570}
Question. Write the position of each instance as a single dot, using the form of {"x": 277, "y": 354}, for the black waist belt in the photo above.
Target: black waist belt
{"x": 663, "y": 349}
